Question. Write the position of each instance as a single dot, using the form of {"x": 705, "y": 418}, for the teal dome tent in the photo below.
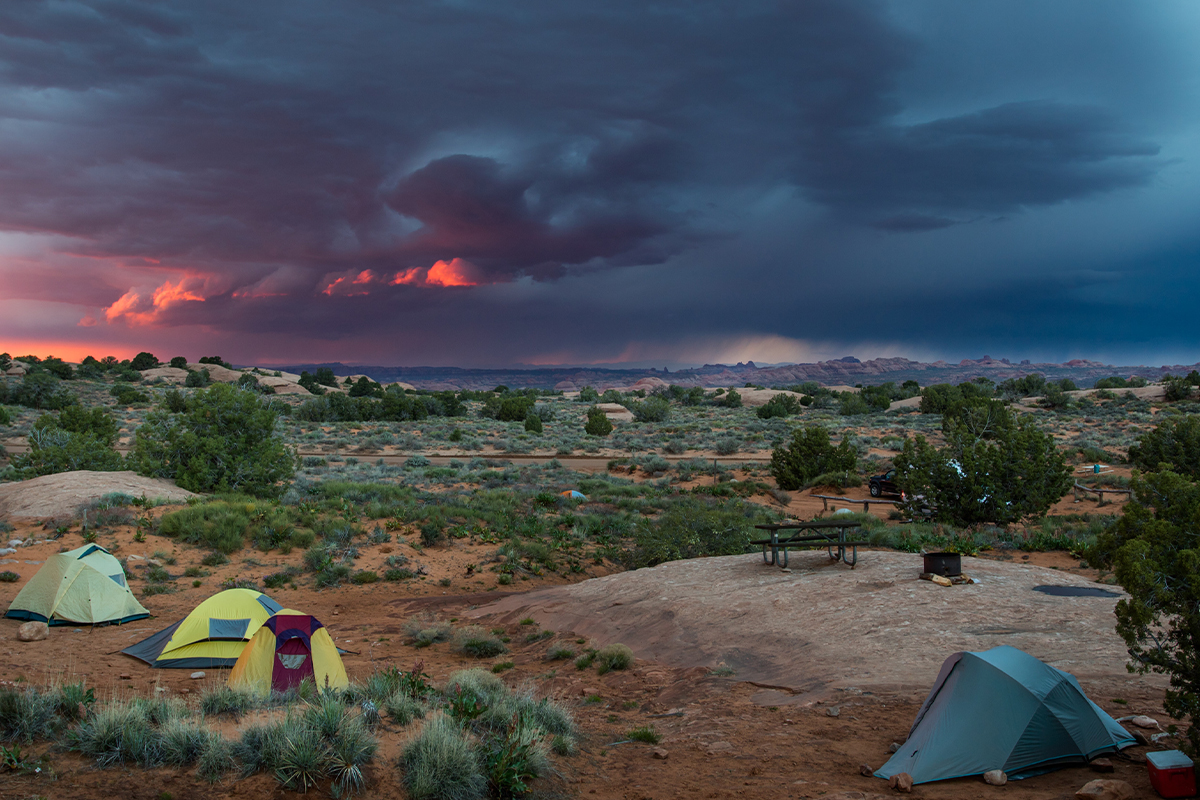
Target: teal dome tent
{"x": 1003, "y": 709}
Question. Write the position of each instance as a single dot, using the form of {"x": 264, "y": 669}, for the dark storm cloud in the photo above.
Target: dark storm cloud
{"x": 228, "y": 163}
{"x": 993, "y": 161}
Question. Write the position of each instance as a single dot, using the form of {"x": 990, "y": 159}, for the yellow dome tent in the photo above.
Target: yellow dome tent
{"x": 84, "y": 586}
{"x": 213, "y": 635}
{"x": 288, "y": 648}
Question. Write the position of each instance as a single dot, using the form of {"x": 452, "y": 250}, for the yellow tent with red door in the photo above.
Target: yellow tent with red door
{"x": 288, "y": 648}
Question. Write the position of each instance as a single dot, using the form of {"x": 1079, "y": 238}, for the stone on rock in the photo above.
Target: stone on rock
{"x": 1100, "y": 765}
{"x": 865, "y": 770}
{"x": 1142, "y": 721}
{"x": 1103, "y": 789}
{"x": 125, "y": 676}
{"x": 1141, "y": 738}
{"x": 901, "y": 782}
{"x": 719, "y": 747}
{"x": 197, "y": 675}
{"x": 33, "y": 632}
{"x": 894, "y": 747}
{"x": 995, "y": 777}
{"x": 941, "y": 580}
{"x": 15, "y": 542}
{"x": 659, "y": 753}
{"x": 7, "y": 551}
{"x": 832, "y": 711}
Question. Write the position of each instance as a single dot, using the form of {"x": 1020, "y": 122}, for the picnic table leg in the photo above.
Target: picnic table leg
{"x": 769, "y": 560}
{"x": 783, "y": 557}
{"x": 854, "y": 560}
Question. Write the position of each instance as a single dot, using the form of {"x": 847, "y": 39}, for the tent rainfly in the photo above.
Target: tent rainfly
{"x": 1003, "y": 709}
{"x": 85, "y": 586}
{"x": 213, "y": 635}
{"x": 288, "y": 648}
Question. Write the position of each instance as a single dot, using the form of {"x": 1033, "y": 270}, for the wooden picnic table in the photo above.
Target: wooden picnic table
{"x": 775, "y": 549}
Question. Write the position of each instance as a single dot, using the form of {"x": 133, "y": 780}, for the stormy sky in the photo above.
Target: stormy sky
{"x": 558, "y": 182}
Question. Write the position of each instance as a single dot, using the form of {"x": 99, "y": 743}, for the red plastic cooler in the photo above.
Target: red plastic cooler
{"x": 1171, "y": 773}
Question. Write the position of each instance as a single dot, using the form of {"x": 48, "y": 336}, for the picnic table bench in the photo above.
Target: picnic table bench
{"x": 1099, "y": 492}
{"x": 851, "y": 501}
{"x": 828, "y": 533}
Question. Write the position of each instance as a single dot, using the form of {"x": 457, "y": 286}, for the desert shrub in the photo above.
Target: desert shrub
{"x": 440, "y": 763}
{"x": 731, "y": 399}
{"x": 1014, "y": 474}
{"x": 143, "y": 361}
{"x": 26, "y": 714}
{"x": 402, "y": 708}
{"x": 840, "y": 480}
{"x": 691, "y": 528}
{"x": 8, "y": 576}
{"x": 533, "y": 423}
{"x": 588, "y": 395}
{"x": 425, "y": 630}
{"x": 560, "y": 653}
{"x": 645, "y": 733}
{"x": 1175, "y": 442}
{"x": 224, "y": 442}
{"x": 116, "y": 734}
{"x": 597, "y": 423}
{"x": 478, "y": 642}
{"x": 809, "y": 454}
{"x": 1152, "y": 551}
{"x": 218, "y": 525}
{"x": 128, "y": 395}
{"x": 181, "y": 742}
{"x": 513, "y": 757}
{"x": 727, "y": 445}
{"x": 197, "y": 379}
{"x": 654, "y": 409}
{"x": 216, "y": 759}
{"x": 613, "y": 657}
{"x": 76, "y": 439}
{"x": 853, "y": 404}
{"x": 364, "y": 577}
{"x": 781, "y": 405}
{"x": 223, "y": 699}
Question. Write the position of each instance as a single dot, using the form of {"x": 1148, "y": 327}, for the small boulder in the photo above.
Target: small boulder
{"x": 901, "y": 782}
{"x": 832, "y": 711}
{"x": 865, "y": 770}
{"x": 125, "y": 676}
{"x": 659, "y": 753}
{"x": 719, "y": 747}
{"x": 15, "y": 542}
{"x": 1100, "y": 765}
{"x": 197, "y": 675}
{"x": 33, "y": 632}
{"x": 995, "y": 777}
{"x": 894, "y": 747}
{"x": 1103, "y": 789}
{"x": 7, "y": 551}
{"x": 1142, "y": 721}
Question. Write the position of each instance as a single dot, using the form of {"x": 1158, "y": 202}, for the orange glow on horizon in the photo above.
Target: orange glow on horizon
{"x": 71, "y": 352}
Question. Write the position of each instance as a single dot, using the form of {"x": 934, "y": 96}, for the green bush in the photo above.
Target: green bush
{"x": 731, "y": 399}
{"x": 478, "y": 642}
{"x": 218, "y": 525}
{"x": 1175, "y": 442}
{"x": 533, "y": 424}
{"x": 613, "y": 657}
{"x": 224, "y": 442}
{"x": 781, "y": 405}
{"x": 655, "y": 409}
{"x": 597, "y": 423}
{"x": 1008, "y": 472}
{"x": 692, "y": 528}
{"x": 440, "y": 763}
{"x": 1152, "y": 551}
{"x": 809, "y": 454}
{"x": 143, "y": 361}
{"x": 646, "y": 734}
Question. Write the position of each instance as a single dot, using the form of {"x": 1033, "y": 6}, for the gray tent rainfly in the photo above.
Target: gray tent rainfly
{"x": 1003, "y": 709}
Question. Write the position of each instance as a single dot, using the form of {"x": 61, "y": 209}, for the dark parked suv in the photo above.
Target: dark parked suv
{"x": 884, "y": 484}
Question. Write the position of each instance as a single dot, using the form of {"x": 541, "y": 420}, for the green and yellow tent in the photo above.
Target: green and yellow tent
{"x": 213, "y": 635}
{"x": 84, "y": 586}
